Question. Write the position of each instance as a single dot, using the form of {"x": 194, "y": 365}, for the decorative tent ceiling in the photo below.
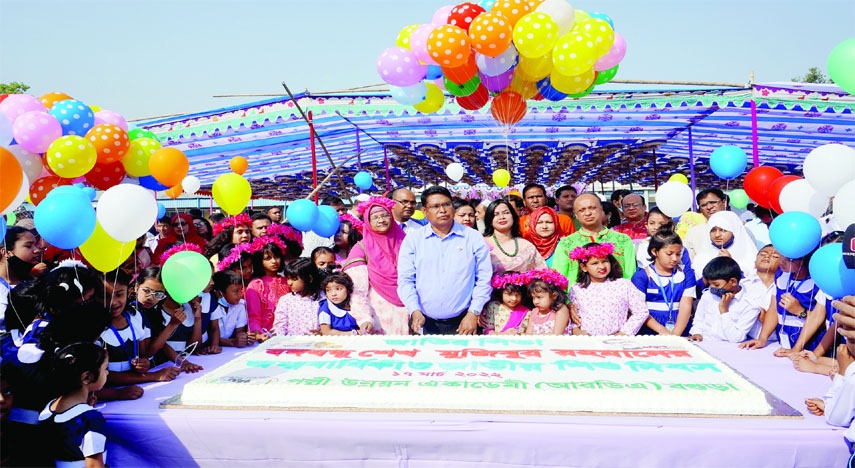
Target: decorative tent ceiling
{"x": 625, "y": 136}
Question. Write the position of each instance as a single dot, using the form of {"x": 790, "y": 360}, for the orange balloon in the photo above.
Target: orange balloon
{"x": 513, "y": 10}
{"x": 169, "y": 166}
{"x": 174, "y": 192}
{"x": 49, "y": 99}
{"x": 11, "y": 177}
{"x": 111, "y": 142}
{"x": 449, "y": 46}
{"x": 239, "y": 165}
{"x": 40, "y": 188}
{"x": 463, "y": 73}
{"x": 490, "y": 33}
{"x": 508, "y": 107}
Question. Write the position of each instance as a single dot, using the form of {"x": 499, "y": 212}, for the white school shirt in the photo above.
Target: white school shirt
{"x": 216, "y": 314}
{"x": 767, "y": 299}
{"x": 734, "y": 325}
{"x": 233, "y": 317}
{"x": 840, "y": 402}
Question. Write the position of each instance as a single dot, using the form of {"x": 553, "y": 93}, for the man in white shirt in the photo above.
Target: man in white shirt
{"x": 405, "y": 206}
{"x": 729, "y": 308}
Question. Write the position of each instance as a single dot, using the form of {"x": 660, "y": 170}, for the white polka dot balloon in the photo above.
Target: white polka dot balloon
{"x": 400, "y": 67}
{"x": 36, "y": 130}
{"x": 75, "y": 117}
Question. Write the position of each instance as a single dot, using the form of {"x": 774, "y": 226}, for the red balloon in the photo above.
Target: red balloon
{"x": 757, "y": 181}
{"x": 463, "y": 73}
{"x": 463, "y": 14}
{"x": 774, "y": 191}
{"x": 104, "y": 176}
{"x": 40, "y": 188}
{"x": 475, "y": 100}
{"x": 508, "y": 107}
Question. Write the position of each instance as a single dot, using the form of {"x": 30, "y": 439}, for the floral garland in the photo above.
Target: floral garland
{"x": 362, "y": 208}
{"x": 232, "y": 221}
{"x": 596, "y": 251}
{"x": 547, "y": 275}
{"x": 185, "y": 247}
{"x": 353, "y": 220}
{"x": 286, "y": 232}
{"x": 250, "y": 247}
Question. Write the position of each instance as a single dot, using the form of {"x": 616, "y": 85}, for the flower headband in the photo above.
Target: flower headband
{"x": 362, "y": 208}
{"x": 285, "y": 232}
{"x": 231, "y": 221}
{"x": 353, "y": 220}
{"x": 547, "y": 275}
{"x": 250, "y": 247}
{"x": 596, "y": 251}
{"x": 185, "y": 247}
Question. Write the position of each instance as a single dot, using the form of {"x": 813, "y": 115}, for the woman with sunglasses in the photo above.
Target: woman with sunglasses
{"x": 183, "y": 232}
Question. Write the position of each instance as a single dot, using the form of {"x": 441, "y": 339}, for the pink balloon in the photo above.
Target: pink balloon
{"x": 441, "y": 16}
{"x": 418, "y": 43}
{"x": 400, "y": 67}
{"x": 111, "y": 117}
{"x": 613, "y": 56}
{"x": 16, "y": 105}
{"x": 35, "y": 131}
{"x": 440, "y": 83}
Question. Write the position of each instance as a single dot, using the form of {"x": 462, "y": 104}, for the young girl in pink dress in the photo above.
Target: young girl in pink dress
{"x": 506, "y": 314}
{"x": 602, "y": 297}
{"x": 297, "y": 312}
{"x": 267, "y": 286}
{"x": 550, "y": 315}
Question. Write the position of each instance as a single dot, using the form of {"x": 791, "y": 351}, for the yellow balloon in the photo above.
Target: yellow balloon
{"x": 575, "y": 52}
{"x": 526, "y": 89}
{"x": 418, "y": 214}
{"x": 501, "y": 178}
{"x": 139, "y": 152}
{"x": 71, "y": 156}
{"x": 403, "y": 39}
{"x": 232, "y": 192}
{"x": 601, "y": 31}
{"x": 433, "y": 101}
{"x": 534, "y": 69}
{"x": 105, "y": 253}
{"x": 572, "y": 84}
{"x": 679, "y": 178}
{"x": 580, "y": 16}
{"x": 535, "y": 35}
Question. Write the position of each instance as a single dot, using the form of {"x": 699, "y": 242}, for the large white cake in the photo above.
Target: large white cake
{"x": 563, "y": 374}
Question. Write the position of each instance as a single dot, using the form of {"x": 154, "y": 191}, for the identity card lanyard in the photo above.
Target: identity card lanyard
{"x": 136, "y": 350}
{"x": 669, "y": 298}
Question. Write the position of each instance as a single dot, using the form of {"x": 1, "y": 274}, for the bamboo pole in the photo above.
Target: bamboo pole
{"x": 332, "y": 172}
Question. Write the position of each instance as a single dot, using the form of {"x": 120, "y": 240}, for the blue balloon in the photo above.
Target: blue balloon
{"x": 486, "y": 4}
{"x": 302, "y": 214}
{"x": 161, "y": 210}
{"x": 795, "y": 234}
{"x": 65, "y": 219}
{"x": 69, "y": 191}
{"x": 363, "y": 180}
{"x": 74, "y": 117}
{"x": 2, "y": 227}
{"x": 90, "y": 192}
{"x": 328, "y": 221}
{"x": 546, "y": 90}
{"x": 829, "y": 272}
{"x": 603, "y": 17}
{"x": 151, "y": 183}
{"x": 409, "y": 95}
{"x": 728, "y": 161}
{"x": 434, "y": 72}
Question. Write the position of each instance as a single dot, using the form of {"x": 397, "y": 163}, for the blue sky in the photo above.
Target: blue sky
{"x": 150, "y": 58}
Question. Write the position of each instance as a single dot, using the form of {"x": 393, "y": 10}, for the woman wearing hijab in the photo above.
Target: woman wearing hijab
{"x": 544, "y": 232}
{"x": 373, "y": 266}
{"x": 727, "y": 238}
{"x": 182, "y": 232}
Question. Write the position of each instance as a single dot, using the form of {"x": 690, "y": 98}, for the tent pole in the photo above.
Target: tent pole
{"x": 358, "y": 155}
{"x": 386, "y": 163}
{"x": 754, "y": 137}
{"x": 314, "y": 158}
{"x": 655, "y": 172}
{"x": 692, "y": 169}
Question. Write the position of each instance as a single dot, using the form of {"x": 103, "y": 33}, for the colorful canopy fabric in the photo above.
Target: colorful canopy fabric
{"x": 623, "y": 136}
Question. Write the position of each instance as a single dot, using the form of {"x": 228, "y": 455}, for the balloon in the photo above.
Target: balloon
{"x": 613, "y": 56}
{"x": 41, "y": 187}
{"x": 433, "y": 101}
{"x": 546, "y": 90}
{"x": 455, "y": 171}
{"x": 462, "y": 15}
{"x": 463, "y": 73}
{"x": 494, "y": 66}
{"x": 11, "y": 219}
{"x": 418, "y": 43}
{"x": 497, "y": 83}
{"x": 574, "y": 53}
{"x": 169, "y": 166}
{"x": 161, "y": 210}
{"x": 830, "y": 166}
{"x": 795, "y": 234}
{"x": 508, "y": 108}
{"x": 600, "y": 31}
{"x": 151, "y": 183}
{"x": 105, "y": 253}
{"x": 605, "y": 76}
{"x": 191, "y": 184}
{"x": 603, "y": 17}
{"x": 475, "y": 100}
{"x": 65, "y": 220}
{"x": 535, "y": 35}
{"x": 841, "y": 65}
{"x": 16, "y": 105}
{"x": 327, "y": 223}
{"x": 757, "y": 181}
{"x": 737, "y": 198}
{"x": 110, "y": 141}
{"x": 799, "y": 195}
{"x": 362, "y": 180}
{"x": 302, "y": 214}
{"x": 232, "y": 192}
{"x": 185, "y": 274}
{"x": 679, "y": 178}
{"x": 49, "y": 99}
{"x": 11, "y": 178}
{"x": 138, "y": 155}
{"x": 490, "y": 34}
{"x": 434, "y": 72}
{"x": 409, "y": 95}
{"x": 501, "y": 177}
{"x": 773, "y": 193}
{"x": 535, "y": 69}
{"x": 400, "y": 67}
{"x": 418, "y": 215}
{"x": 126, "y": 211}
{"x": 35, "y": 130}
{"x": 844, "y": 204}
{"x": 519, "y": 84}
{"x": 238, "y": 165}
{"x": 513, "y": 10}
{"x": 110, "y": 117}
{"x": 448, "y": 46}
{"x": 71, "y": 156}
{"x": 75, "y": 117}
{"x": 440, "y": 17}
{"x": 572, "y": 84}
{"x": 5, "y": 130}
{"x": 136, "y": 133}
{"x": 403, "y": 39}
{"x": 829, "y": 272}
{"x": 728, "y": 161}
{"x": 674, "y": 198}
{"x": 174, "y": 192}
{"x": 561, "y": 13}
{"x": 31, "y": 163}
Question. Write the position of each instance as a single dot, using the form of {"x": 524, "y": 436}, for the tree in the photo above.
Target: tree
{"x": 14, "y": 87}
{"x": 814, "y": 75}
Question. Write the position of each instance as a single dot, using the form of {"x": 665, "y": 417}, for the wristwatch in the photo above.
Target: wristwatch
{"x": 803, "y": 314}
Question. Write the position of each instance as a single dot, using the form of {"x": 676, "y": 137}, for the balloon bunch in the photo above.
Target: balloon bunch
{"x": 232, "y": 191}
{"x": 512, "y": 50}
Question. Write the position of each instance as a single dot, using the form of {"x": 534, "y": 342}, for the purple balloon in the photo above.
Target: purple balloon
{"x": 497, "y": 83}
{"x": 398, "y": 66}
{"x": 613, "y": 56}
{"x": 36, "y": 130}
{"x": 16, "y": 105}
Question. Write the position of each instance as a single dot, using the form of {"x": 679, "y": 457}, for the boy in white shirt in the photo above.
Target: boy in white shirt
{"x": 729, "y": 308}
{"x": 838, "y": 404}
{"x": 228, "y": 288}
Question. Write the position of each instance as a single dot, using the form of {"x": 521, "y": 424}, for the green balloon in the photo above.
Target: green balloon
{"x": 605, "y": 76}
{"x": 185, "y": 274}
{"x": 738, "y": 198}
{"x": 462, "y": 90}
{"x": 136, "y": 133}
{"x": 583, "y": 93}
{"x": 11, "y": 218}
{"x": 841, "y": 65}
